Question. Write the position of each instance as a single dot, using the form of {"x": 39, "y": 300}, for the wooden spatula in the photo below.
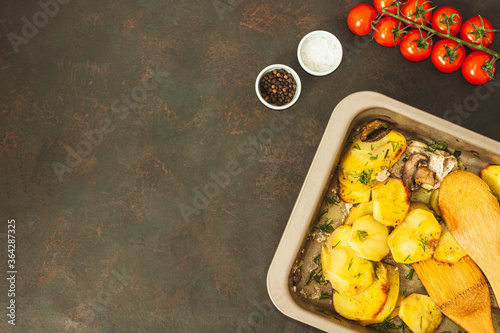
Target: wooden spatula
{"x": 460, "y": 291}
{"x": 472, "y": 215}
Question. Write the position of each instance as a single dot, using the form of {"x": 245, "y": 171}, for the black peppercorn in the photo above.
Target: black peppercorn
{"x": 278, "y": 87}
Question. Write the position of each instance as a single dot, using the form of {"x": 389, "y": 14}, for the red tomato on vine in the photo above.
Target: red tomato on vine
{"x": 445, "y": 16}
{"x": 360, "y": 19}
{"x": 478, "y": 30}
{"x": 387, "y": 4}
{"x": 418, "y": 11}
{"x": 446, "y": 56}
{"x": 387, "y": 31}
{"x": 415, "y": 47}
{"x": 477, "y": 68}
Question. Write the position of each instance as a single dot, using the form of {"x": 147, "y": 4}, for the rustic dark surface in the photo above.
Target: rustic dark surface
{"x": 102, "y": 245}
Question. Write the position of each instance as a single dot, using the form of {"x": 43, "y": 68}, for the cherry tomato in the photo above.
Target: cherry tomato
{"x": 360, "y": 19}
{"x": 445, "y": 15}
{"x": 384, "y": 33}
{"x": 445, "y": 57}
{"x": 415, "y": 10}
{"x": 415, "y": 47}
{"x": 379, "y": 4}
{"x": 478, "y": 29}
{"x": 474, "y": 65}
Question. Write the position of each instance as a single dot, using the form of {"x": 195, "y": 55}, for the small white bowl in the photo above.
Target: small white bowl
{"x": 336, "y": 50}
{"x": 297, "y": 90}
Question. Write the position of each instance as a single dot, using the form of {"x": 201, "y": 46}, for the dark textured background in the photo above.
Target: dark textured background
{"x": 117, "y": 213}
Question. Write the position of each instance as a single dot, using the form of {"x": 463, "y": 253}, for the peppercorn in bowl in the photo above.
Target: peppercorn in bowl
{"x": 278, "y": 87}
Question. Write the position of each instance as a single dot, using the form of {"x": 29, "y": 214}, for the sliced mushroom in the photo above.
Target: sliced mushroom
{"x": 416, "y": 173}
{"x": 425, "y": 177}
{"x": 375, "y": 131}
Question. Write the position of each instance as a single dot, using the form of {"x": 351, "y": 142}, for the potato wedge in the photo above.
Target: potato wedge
{"x": 350, "y": 195}
{"x": 368, "y": 238}
{"x": 391, "y": 202}
{"x": 434, "y": 203}
{"x": 448, "y": 251}
{"x": 392, "y": 297}
{"x": 365, "y": 208}
{"x": 339, "y": 237}
{"x": 367, "y": 304}
{"x": 420, "y": 313}
{"x": 491, "y": 175}
{"x": 416, "y": 205}
{"x": 348, "y": 273}
{"x": 416, "y": 238}
{"x": 364, "y": 160}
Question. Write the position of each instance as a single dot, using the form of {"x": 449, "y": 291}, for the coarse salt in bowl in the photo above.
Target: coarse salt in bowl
{"x": 319, "y": 53}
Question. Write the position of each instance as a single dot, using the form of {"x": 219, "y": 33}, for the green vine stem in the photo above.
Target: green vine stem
{"x": 494, "y": 54}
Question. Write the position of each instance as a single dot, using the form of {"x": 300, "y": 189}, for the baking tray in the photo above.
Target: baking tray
{"x": 353, "y": 111}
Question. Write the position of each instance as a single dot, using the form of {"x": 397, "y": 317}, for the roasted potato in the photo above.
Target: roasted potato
{"x": 392, "y": 297}
{"x": 491, "y": 175}
{"x": 420, "y": 313}
{"x": 365, "y": 160}
{"x": 416, "y": 238}
{"x": 365, "y": 208}
{"x": 368, "y": 304}
{"x": 348, "y": 273}
{"x": 350, "y": 195}
{"x": 434, "y": 202}
{"x": 448, "y": 251}
{"x": 391, "y": 202}
{"x": 368, "y": 238}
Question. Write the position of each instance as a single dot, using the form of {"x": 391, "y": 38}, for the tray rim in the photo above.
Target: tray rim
{"x": 308, "y": 198}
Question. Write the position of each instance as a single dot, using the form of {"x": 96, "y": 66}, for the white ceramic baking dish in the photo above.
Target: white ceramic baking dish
{"x": 353, "y": 111}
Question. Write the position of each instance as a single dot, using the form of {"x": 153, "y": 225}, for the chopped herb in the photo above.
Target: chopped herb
{"x": 326, "y": 227}
{"x": 311, "y": 276}
{"x": 333, "y": 200}
{"x": 395, "y": 145}
{"x": 387, "y": 324}
{"x": 424, "y": 243}
{"x": 334, "y": 246}
{"x": 437, "y": 145}
{"x": 371, "y": 146}
{"x": 361, "y": 234}
{"x": 373, "y": 158}
{"x": 409, "y": 276}
{"x": 375, "y": 266}
{"x": 320, "y": 215}
{"x": 386, "y": 152}
{"x": 321, "y": 310}
{"x": 316, "y": 275}
{"x": 476, "y": 155}
{"x": 420, "y": 322}
{"x": 404, "y": 294}
{"x": 350, "y": 264}
{"x": 317, "y": 259}
{"x": 351, "y": 140}
{"x": 358, "y": 275}
{"x": 356, "y": 146}
{"x": 325, "y": 295}
{"x": 384, "y": 126}
{"x": 364, "y": 177}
